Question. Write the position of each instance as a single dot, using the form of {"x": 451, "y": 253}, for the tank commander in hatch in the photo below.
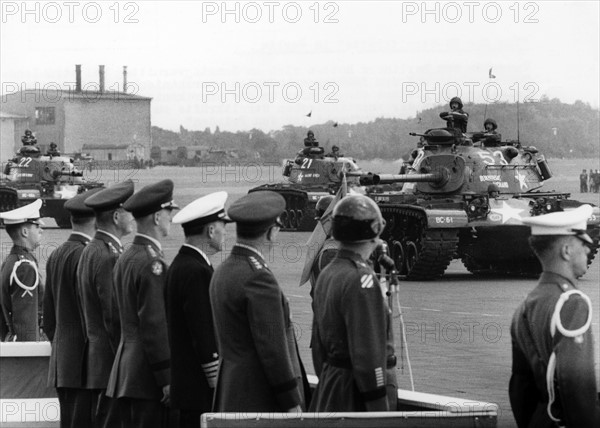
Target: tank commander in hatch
{"x": 457, "y": 118}
{"x": 334, "y": 153}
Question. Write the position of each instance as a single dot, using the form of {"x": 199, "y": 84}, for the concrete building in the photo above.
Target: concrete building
{"x": 12, "y": 126}
{"x": 74, "y": 118}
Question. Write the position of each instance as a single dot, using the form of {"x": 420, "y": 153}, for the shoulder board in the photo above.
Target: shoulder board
{"x": 151, "y": 251}
{"x": 256, "y": 264}
{"x": 112, "y": 248}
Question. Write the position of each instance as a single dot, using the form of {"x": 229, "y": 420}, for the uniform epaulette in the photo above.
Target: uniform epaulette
{"x": 151, "y": 251}
{"x": 256, "y": 264}
{"x": 112, "y": 248}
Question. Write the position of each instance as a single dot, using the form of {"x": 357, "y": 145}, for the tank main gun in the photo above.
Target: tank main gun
{"x": 370, "y": 179}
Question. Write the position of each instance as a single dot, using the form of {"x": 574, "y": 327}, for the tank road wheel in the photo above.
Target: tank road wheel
{"x": 292, "y": 216}
{"x": 399, "y": 257}
{"x": 299, "y": 218}
{"x": 412, "y": 256}
{"x": 285, "y": 219}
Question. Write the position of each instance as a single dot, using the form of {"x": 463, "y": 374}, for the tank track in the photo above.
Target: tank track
{"x": 299, "y": 214}
{"x": 426, "y": 252}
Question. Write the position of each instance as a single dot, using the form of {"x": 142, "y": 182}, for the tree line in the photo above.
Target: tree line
{"x": 557, "y": 129}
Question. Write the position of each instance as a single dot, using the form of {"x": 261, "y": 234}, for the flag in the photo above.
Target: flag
{"x": 322, "y": 230}
{"x": 491, "y": 75}
{"x": 309, "y": 114}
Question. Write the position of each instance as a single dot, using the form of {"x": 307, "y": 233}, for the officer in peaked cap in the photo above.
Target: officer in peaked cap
{"x": 62, "y": 316}
{"x": 194, "y": 352}
{"x": 97, "y": 298}
{"x": 140, "y": 376}
{"x": 553, "y": 381}
{"x": 252, "y": 318}
{"x": 21, "y": 292}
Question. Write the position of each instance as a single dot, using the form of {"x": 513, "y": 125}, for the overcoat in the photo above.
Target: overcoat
{"x": 260, "y": 367}
{"x": 99, "y": 307}
{"x": 142, "y": 363}
{"x": 352, "y": 342}
{"x": 62, "y": 316}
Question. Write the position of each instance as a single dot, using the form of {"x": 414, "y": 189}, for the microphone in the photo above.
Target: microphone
{"x": 382, "y": 252}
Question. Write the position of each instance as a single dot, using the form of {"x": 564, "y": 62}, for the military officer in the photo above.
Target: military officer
{"x": 260, "y": 368}
{"x": 194, "y": 355}
{"x": 62, "y": 318}
{"x": 353, "y": 348}
{"x": 97, "y": 297}
{"x": 22, "y": 291}
{"x": 553, "y": 382}
{"x": 140, "y": 376}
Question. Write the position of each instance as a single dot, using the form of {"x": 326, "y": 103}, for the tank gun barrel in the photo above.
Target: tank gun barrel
{"x": 369, "y": 179}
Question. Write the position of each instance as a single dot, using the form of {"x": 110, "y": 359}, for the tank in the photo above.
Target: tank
{"x": 464, "y": 198}
{"x": 51, "y": 177}
{"x": 309, "y": 176}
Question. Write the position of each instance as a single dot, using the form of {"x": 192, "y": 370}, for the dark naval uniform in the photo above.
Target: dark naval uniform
{"x": 101, "y": 319}
{"x": 64, "y": 328}
{"x": 575, "y": 400}
{"x": 21, "y": 296}
{"x": 260, "y": 368}
{"x": 353, "y": 348}
{"x": 142, "y": 363}
{"x": 195, "y": 359}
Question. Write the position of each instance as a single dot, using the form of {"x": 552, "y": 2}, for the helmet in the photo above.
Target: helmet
{"x": 309, "y": 133}
{"x": 27, "y": 132}
{"x": 493, "y": 188}
{"x": 456, "y": 100}
{"x": 492, "y": 121}
{"x": 334, "y": 148}
{"x": 322, "y": 204}
{"x": 356, "y": 218}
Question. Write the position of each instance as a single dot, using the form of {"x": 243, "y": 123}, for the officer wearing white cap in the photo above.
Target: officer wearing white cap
{"x": 22, "y": 292}
{"x": 260, "y": 368}
{"x": 352, "y": 342}
{"x": 62, "y": 317}
{"x": 553, "y": 381}
{"x": 97, "y": 298}
{"x": 194, "y": 352}
{"x": 140, "y": 377}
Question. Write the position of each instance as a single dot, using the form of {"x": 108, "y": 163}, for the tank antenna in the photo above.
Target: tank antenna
{"x": 518, "y": 124}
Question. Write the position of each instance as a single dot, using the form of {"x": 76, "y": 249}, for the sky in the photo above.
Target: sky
{"x": 244, "y": 65}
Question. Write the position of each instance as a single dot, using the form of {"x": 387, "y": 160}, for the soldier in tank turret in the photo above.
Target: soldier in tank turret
{"x": 334, "y": 153}
{"x": 28, "y": 139}
{"x": 491, "y": 138}
{"x": 53, "y": 150}
{"x": 457, "y": 118}
{"x": 311, "y": 149}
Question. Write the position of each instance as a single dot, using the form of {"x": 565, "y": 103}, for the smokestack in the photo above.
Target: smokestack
{"x": 101, "y": 78}
{"x": 78, "y": 77}
{"x": 125, "y": 79}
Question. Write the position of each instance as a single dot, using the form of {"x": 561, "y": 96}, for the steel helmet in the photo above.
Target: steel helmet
{"x": 322, "y": 204}
{"x": 357, "y": 218}
{"x": 492, "y": 121}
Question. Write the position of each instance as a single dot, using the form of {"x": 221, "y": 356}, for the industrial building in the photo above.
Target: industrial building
{"x": 114, "y": 125}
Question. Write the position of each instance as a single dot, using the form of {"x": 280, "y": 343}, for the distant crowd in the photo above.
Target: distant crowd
{"x": 589, "y": 182}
